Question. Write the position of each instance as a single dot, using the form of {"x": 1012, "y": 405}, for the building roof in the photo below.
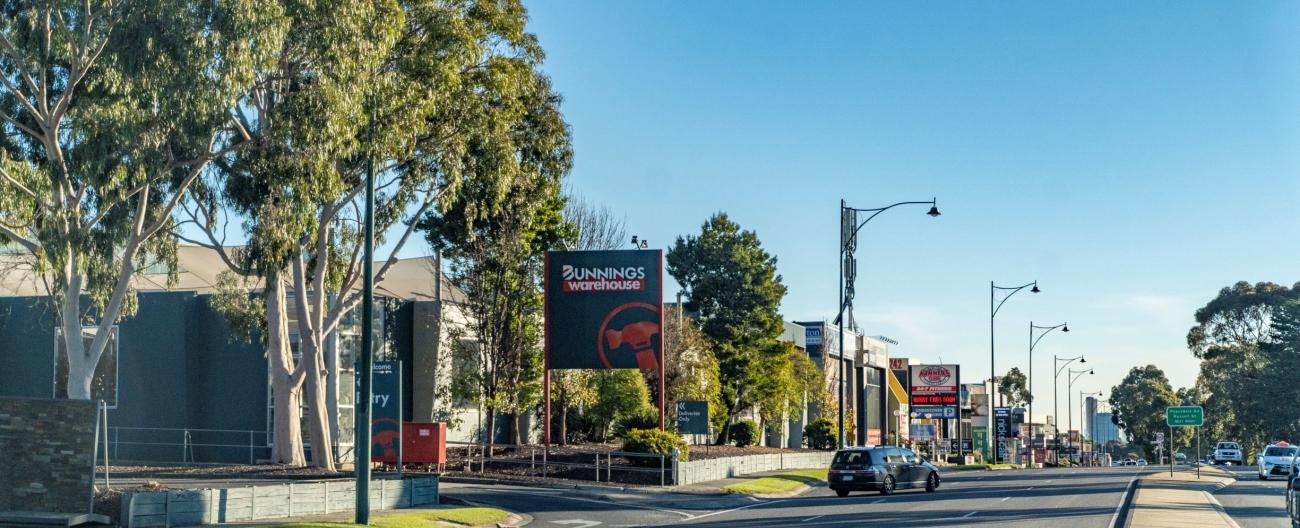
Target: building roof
{"x": 198, "y": 267}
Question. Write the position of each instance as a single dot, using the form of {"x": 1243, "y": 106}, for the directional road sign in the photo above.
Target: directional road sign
{"x": 1185, "y": 416}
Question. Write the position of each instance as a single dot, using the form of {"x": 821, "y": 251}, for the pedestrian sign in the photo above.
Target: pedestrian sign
{"x": 1185, "y": 416}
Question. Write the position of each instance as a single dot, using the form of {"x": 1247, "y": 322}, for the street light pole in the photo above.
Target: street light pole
{"x": 849, "y": 228}
{"x": 1069, "y": 386}
{"x": 361, "y": 460}
{"x": 1032, "y": 342}
{"x": 1059, "y": 366}
{"x": 993, "y": 371}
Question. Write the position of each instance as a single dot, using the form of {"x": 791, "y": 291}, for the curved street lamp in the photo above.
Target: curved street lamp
{"x": 1069, "y": 411}
{"x": 849, "y": 227}
{"x": 993, "y": 371}
{"x": 1033, "y": 341}
{"x": 1059, "y": 363}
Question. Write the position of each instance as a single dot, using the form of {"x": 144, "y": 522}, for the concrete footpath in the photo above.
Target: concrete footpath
{"x": 1180, "y": 500}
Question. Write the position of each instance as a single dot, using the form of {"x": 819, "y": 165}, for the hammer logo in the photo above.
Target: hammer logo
{"x": 638, "y": 334}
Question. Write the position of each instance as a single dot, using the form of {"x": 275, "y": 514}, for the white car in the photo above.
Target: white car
{"x": 1275, "y": 460}
{"x": 1228, "y": 453}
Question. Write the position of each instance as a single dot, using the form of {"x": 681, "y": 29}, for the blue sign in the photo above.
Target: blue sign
{"x": 386, "y": 411}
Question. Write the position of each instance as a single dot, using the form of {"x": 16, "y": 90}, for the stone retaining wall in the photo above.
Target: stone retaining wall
{"x": 720, "y": 468}
{"x": 47, "y": 449}
{"x": 270, "y": 501}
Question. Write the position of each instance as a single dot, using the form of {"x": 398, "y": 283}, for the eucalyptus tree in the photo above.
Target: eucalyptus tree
{"x": 416, "y": 91}
{"x": 111, "y": 109}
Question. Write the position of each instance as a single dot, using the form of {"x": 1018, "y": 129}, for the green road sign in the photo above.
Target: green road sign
{"x": 1187, "y": 416}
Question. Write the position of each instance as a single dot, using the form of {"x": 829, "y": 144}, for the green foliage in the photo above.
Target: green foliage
{"x": 1140, "y": 400}
{"x": 790, "y": 379}
{"x": 820, "y": 434}
{"x": 744, "y": 433}
{"x": 733, "y": 284}
{"x": 644, "y": 418}
{"x": 244, "y": 314}
{"x": 619, "y": 393}
{"x": 1015, "y": 388}
{"x": 692, "y": 368}
{"x": 1237, "y": 339}
{"x": 656, "y": 442}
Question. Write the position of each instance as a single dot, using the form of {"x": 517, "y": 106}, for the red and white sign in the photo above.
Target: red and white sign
{"x": 929, "y": 379}
{"x": 897, "y": 363}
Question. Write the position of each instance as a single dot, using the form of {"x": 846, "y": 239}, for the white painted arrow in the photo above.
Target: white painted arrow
{"x": 579, "y": 523}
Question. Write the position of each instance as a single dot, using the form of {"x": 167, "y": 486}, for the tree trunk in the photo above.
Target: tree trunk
{"x": 80, "y": 369}
{"x": 491, "y": 429}
{"x": 286, "y": 447}
{"x": 322, "y": 439}
{"x": 517, "y": 422}
{"x": 564, "y": 424}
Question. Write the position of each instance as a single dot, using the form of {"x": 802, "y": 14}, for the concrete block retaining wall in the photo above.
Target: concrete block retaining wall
{"x": 269, "y": 501}
{"x": 720, "y": 468}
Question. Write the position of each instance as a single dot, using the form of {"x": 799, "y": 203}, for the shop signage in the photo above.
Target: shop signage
{"x": 603, "y": 309}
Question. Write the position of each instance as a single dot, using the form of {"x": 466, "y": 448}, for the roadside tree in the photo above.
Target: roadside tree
{"x": 732, "y": 283}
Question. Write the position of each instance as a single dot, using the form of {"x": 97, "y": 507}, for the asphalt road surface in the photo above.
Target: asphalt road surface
{"x": 1254, "y": 503}
{"x": 1079, "y": 498}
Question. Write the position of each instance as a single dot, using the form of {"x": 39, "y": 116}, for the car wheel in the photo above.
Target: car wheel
{"x": 842, "y": 492}
{"x": 932, "y": 483}
{"x": 887, "y": 486}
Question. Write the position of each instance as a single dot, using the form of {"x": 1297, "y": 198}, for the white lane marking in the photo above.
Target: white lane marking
{"x": 1222, "y": 512}
{"x": 720, "y": 512}
{"x": 1029, "y": 488}
{"x": 579, "y": 523}
{"x": 815, "y": 517}
{"x": 969, "y": 514}
{"x": 1123, "y": 497}
{"x": 878, "y": 501}
{"x": 1004, "y": 499}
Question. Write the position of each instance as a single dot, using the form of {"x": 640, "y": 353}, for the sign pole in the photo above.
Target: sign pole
{"x": 1171, "y": 450}
{"x": 1198, "y": 453}
{"x": 663, "y": 343}
{"x": 546, "y": 355}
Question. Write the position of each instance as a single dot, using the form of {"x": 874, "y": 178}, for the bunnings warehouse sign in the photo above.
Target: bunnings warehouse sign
{"x": 604, "y": 309}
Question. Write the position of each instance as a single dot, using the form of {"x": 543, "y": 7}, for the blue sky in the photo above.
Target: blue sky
{"x": 1132, "y": 157}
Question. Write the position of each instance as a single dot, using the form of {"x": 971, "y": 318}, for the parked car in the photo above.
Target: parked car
{"x": 1142, "y": 462}
{"x": 1227, "y": 453}
{"x": 1292, "y": 489}
{"x": 881, "y": 468}
{"x": 1275, "y": 460}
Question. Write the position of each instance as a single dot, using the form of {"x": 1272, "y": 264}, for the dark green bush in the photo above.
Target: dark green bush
{"x": 820, "y": 434}
{"x": 656, "y": 442}
{"x": 646, "y": 418}
{"x": 744, "y": 433}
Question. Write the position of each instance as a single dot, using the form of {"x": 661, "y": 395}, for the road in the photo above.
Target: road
{"x": 1254, "y": 503}
{"x": 1084, "y": 498}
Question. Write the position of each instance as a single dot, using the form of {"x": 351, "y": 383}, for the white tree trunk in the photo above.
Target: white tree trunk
{"x": 285, "y": 385}
{"x": 322, "y": 441}
{"x": 80, "y": 369}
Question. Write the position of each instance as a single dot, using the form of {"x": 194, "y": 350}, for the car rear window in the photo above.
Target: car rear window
{"x": 852, "y": 458}
{"x": 1280, "y": 451}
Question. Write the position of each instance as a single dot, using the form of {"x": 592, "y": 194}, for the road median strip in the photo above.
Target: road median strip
{"x": 783, "y": 484}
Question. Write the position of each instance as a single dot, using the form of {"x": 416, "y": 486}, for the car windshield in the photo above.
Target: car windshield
{"x": 1228, "y": 445}
{"x": 1280, "y": 452}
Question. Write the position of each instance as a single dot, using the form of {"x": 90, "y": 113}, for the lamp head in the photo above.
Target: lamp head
{"x": 1083, "y": 360}
{"x": 1090, "y": 372}
{"x": 1066, "y": 328}
{"x": 1035, "y": 289}
{"x": 634, "y": 240}
{"x": 934, "y": 210}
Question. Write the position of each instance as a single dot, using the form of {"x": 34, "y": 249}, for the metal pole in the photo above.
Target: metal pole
{"x": 365, "y": 369}
{"x": 1171, "y": 450}
{"x": 107, "y": 486}
{"x": 1069, "y": 409}
{"x": 1198, "y": 453}
{"x": 993, "y": 380}
{"x": 1056, "y": 407}
{"x": 840, "y": 388}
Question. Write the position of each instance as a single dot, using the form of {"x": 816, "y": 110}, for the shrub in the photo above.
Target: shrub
{"x": 744, "y": 433}
{"x": 644, "y": 418}
{"x": 656, "y": 442}
{"x": 820, "y": 434}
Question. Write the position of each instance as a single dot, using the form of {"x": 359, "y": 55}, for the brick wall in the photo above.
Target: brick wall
{"x": 46, "y": 450}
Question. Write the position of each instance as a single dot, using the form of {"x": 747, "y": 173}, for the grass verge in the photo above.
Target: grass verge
{"x": 424, "y": 519}
{"x": 779, "y": 483}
